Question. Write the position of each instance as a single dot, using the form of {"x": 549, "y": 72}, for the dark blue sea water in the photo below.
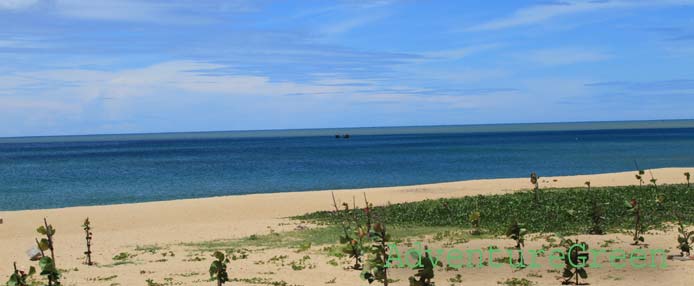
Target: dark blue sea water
{"x": 56, "y": 172}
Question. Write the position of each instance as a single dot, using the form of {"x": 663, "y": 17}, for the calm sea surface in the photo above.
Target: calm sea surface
{"x": 51, "y": 172}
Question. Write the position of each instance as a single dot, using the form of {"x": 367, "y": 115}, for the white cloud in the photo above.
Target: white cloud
{"x": 16, "y": 4}
{"x": 544, "y": 12}
{"x": 564, "y": 56}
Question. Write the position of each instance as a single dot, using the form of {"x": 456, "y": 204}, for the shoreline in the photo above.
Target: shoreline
{"x": 280, "y": 206}
{"x": 512, "y": 184}
{"x": 118, "y": 228}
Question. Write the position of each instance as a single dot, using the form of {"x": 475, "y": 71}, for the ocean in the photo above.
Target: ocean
{"x": 64, "y": 171}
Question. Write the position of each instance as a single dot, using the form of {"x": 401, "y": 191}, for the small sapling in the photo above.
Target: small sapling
{"x": 88, "y": 237}
{"x": 597, "y": 214}
{"x": 686, "y": 176}
{"x": 475, "y": 218}
{"x": 517, "y": 232}
{"x": 218, "y": 268}
{"x": 377, "y": 269}
{"x": 19, "y": 278}
{"x": 639, "y": 177}
{"x": 575, "y": 262}
{"x": 47, "y": 263}
{"x": 535, "y": 180}
{"x": 634, "y": 209}
{"x": 685, "y": 238}
{"x": 425, "y": 271}
{"x": 351, "y": 246}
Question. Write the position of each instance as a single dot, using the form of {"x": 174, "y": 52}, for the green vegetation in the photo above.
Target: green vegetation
{"x": 684, "y": 239}
{"x": 634, "y": 209}
{"x": 218, "y": 268}
{"x": 517, "y": 232}
{"x": 88, "y": 237}
{"x": 639, "y": 177}
{"x": 19, "y": 278}
{"x": 686, "y": 176}
{"x": 564, "y": 211}
{"x": 47, "y": 263}
{"x": 516, "y": 282}
{"x": 376, "y": 268}
{"x": 354, "y": 233}
{"x": 575, "y": 260}
{"x": 597, "y": 214}
{"x": 425, "y": 271}
{"x": 475, "y": 221}
{"x": 535, "y": 180}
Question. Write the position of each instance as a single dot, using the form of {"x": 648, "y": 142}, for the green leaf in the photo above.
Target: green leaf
{"x": 14, "y": 280}
{"x": 582, "y": 272}
{"x": 43, "y": 244}
{"x": 219, "y": 255}
{"x": 214, "y": 268}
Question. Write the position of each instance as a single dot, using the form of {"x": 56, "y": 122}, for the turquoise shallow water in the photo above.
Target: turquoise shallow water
{"x": 50, "y": 172}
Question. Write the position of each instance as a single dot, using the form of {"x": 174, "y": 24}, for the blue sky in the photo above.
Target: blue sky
{"x": 123, "y": 66}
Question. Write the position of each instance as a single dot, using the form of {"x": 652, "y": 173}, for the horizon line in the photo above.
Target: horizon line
{"x": 137, "y": 134}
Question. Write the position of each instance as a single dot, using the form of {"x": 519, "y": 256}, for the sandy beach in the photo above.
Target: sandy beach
{"x": 171, "y": 224}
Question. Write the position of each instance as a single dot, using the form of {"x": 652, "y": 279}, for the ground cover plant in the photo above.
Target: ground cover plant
{"x": 564, "y": 211}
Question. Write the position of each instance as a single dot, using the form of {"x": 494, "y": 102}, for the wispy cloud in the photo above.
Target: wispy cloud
{"x": 459, "y": 53}
{"x": 540, "y": 13}
{"x": 349, "y": 24}
{"x": 563, "y": 56}
{"x": 662, "y": 86}
{"x": 16, "y": 4}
